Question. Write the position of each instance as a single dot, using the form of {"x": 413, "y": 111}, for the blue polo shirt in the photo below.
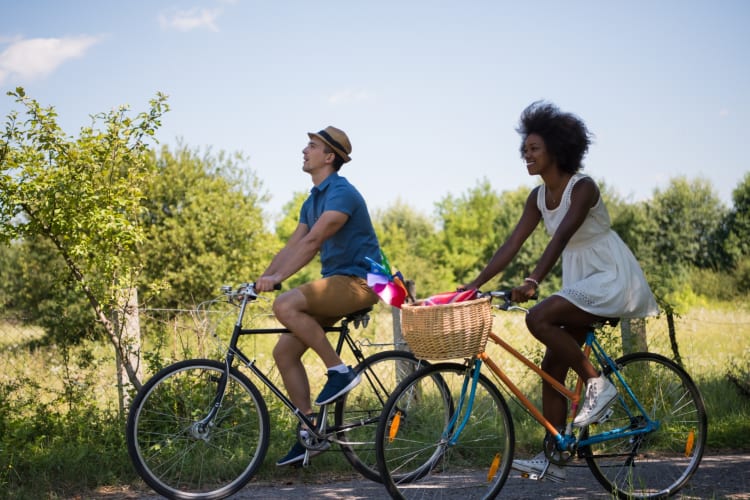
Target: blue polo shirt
{"x": 343, "y": 253}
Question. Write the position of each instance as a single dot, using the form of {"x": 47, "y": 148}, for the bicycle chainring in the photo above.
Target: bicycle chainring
{"x": 555, "y": 456}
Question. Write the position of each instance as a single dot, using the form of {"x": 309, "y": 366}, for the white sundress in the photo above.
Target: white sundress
{"x": 600, "y": 273}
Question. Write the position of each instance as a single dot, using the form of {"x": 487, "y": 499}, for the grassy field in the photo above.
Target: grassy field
{"x": 59, "y": 417}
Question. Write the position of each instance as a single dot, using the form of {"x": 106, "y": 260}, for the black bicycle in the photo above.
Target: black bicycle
{"x": 199, "y": 429}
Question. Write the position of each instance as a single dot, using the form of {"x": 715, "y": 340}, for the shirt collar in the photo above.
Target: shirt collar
{"x": 323, "y": 185}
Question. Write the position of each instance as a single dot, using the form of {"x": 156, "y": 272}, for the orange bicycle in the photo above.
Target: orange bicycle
{"x": 447, "y": 428}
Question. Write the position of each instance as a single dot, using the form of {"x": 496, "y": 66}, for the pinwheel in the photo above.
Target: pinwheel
{"x": 388, "y": 285}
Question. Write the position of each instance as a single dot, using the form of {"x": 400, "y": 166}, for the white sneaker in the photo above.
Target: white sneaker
{"x": 539, "y": 468}
{"x": 599, "y": 396}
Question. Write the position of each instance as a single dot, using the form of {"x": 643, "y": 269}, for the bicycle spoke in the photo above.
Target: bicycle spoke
{"x": 660, "y": 462}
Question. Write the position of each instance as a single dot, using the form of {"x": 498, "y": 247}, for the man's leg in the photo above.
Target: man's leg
{"x": 291, "y": 309}
{"x": 324, "y": 301}
{"x": 288, "y": 353}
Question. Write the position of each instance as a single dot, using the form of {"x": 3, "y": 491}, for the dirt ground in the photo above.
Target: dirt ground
{"x": 725, "y": 476}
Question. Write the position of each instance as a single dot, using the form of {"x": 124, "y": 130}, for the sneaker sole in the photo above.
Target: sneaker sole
{"x": 354, "y": 383}
{"x": 300, "y": 458}
{"x": 598, "y": 417}
{"x": 533, "y": 474}
{"x": 549, "y": 477}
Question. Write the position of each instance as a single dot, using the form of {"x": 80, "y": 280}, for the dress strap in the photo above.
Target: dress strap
{"x": 569, "y": 188}
{"x": 540, "y": 203}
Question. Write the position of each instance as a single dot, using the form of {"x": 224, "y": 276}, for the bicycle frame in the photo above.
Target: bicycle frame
{"x": 428, "y": 445}
{"x": 234, "y": 351}
{"x": 564, "y": 441}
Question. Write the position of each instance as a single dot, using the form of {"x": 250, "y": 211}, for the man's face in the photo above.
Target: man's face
{"x": 314, "y": 156}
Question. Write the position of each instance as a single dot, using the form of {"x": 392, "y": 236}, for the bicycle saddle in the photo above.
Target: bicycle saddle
{"x": 360, "y": 317}
{"x": 358, "y": 314}
{"x": 613, "y": 322}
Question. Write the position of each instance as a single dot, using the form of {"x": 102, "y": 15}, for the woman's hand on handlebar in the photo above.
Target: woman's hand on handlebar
{"x": 523, "y": 293}
{"x": 468, "y": 286}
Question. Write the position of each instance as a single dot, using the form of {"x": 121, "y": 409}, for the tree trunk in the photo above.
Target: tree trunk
{"x": 673, "y": 338}
{"x": 127, "y": 328}
{"x": 633, "y": 332}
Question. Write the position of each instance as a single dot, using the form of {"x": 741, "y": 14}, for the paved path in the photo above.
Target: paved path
{"x": 719, "y": 477}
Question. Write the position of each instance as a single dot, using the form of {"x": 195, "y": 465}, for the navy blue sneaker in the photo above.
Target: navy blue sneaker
{"x": 297, "y": 454}
{"x": 338, "y": 384}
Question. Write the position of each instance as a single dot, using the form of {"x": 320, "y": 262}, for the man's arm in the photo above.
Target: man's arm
{"x": 302, "y": 246}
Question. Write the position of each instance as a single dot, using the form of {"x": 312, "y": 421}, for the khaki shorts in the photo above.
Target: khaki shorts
{"x": 330, "y": 299}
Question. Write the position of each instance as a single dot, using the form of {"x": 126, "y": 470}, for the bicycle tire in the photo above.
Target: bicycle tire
{"x": 177, "y": 458}
{"x": 358, "y": 413}
{"x": 414, "y": 456}
{"x": 657, "y": 464}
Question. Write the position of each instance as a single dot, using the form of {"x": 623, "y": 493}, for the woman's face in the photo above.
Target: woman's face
{"x": 535, "y": 155}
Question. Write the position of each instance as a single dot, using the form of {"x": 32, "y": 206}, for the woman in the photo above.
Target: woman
{"x": 601, "y": 278}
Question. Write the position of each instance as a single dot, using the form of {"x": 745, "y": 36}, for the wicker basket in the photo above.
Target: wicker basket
{"x": 447, "y": 331}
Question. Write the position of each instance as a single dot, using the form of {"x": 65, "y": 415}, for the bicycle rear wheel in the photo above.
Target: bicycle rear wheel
{"x": 658, "y": 463}
{"x": 358, "y": 413}
{"x": 417, "y": 456}
{"x": 181, "y": 457}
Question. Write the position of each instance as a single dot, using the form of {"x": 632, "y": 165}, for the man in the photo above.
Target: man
{"x": 335, "y": 222}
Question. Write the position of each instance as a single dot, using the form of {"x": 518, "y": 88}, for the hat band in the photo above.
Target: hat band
{"x": 333, "y": 142}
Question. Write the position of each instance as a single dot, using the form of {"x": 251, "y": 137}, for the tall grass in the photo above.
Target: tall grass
{"x": 61, "y": 434}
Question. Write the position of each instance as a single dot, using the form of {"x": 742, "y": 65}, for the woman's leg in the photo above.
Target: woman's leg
{"x": 562, "y": 328}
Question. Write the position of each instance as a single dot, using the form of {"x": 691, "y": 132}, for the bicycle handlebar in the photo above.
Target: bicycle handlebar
{"x": 244, "y": 290}
{"x": 506, "y": 295}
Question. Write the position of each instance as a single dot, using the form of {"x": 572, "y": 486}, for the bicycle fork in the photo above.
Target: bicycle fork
{"x": 449, "y": 435}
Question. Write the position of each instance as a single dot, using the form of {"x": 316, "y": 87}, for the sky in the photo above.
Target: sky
{"x": 429, "y": 92}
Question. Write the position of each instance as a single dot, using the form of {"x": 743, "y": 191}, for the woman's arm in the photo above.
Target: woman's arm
{"x": 526, "y": 224}
{"x": 585, "y": 194}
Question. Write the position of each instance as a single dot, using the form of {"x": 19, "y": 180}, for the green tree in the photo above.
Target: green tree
{"x": 468, "y": 230}
{"x": 688, "y": 215}
{"x": 409, "y": 240}
{"x": 203, "y": 224}
{"x": 477, "y": 223}
{"x": 683, "y": 223}
{"x": 82, "y": 195}
{"x": 736, "y": 244}
{"x": 38, "y": 285}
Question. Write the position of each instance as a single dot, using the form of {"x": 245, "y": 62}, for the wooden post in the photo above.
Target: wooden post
{"x": 633, "y": 335}
{"x": 398, "y": 336}
{"x": 128, "y": 328}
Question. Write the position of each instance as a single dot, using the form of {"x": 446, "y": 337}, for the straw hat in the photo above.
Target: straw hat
{"x": 336, "y": 139}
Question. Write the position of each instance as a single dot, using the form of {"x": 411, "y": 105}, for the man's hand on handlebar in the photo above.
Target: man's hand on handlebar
{"x": 267, "y": 284}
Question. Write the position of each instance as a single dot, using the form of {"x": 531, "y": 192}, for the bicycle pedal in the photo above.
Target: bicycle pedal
{"x": 554, "y": 479}
{"x": 606, "y": 415}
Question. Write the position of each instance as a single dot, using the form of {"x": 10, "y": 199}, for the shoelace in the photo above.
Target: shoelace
{"x": 590, "y": 397}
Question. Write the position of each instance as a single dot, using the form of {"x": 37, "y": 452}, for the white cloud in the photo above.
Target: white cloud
{"x": 187, "y": 20}
{"x": 348, "y": 96}
{"x": 723, "y": 112}
{"x": 36, "y": 58}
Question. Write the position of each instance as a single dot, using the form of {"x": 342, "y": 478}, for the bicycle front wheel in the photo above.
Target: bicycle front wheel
{"x": 435, "y": 441}
{"x": 358, "y": 413}
{"x": 180, "y": 455}
{"x": 658, "y": 463}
